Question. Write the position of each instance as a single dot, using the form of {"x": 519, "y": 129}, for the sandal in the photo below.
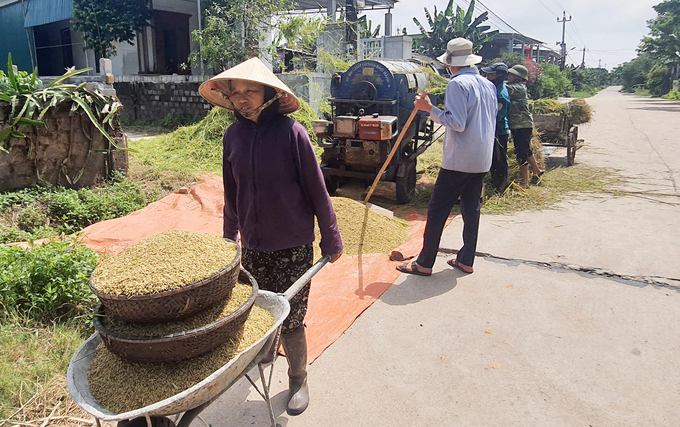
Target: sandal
{"x": 455, "y": 264}
{"x": 412, "y": 268}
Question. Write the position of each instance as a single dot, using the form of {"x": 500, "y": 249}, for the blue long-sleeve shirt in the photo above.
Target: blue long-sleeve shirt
{"x": 502, "y": 127}
{"x": 470, "y": 120}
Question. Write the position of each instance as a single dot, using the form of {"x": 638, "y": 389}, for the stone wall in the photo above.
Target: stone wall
{"x": 70, "y": 152}
{"x": 156, "y": 97}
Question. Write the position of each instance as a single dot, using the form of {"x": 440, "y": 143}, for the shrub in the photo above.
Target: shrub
{"x": 12, "y": 234}
{"x": 553, "y": 82}
{"x": 68, "y": 210}
{"x": 31, "y": 218}
{"x": 45, "y": 282}
{"x": 75, "y": 209}
{"x": 673, "y": 94}
{"x": 658, "y": 80}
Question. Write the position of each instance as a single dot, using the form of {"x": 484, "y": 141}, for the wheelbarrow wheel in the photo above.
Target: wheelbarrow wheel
{"x": 406, "y": 183}
{"x": 141, "y": 422}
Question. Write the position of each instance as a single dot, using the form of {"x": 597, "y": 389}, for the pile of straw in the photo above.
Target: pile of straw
{"x": 579, "y": 111}
{"x": 546, "y": 106}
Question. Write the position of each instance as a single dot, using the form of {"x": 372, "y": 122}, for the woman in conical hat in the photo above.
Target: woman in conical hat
{"x": 273, "y": 189}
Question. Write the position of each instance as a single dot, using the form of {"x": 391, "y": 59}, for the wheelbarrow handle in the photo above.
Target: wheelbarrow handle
{"x": 305, "y": 278}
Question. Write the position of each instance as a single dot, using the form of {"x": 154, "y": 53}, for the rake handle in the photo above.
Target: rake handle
{"x": 392, "y": 153}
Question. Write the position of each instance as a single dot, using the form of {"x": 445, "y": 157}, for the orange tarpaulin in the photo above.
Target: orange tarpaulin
{"x": 340, "y": 291}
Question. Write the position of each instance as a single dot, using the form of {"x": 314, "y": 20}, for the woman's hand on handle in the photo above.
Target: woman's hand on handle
{"x": 335, "y": 257}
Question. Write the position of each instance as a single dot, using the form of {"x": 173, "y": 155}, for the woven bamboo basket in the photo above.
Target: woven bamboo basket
{"x": 172, "y": 304}
{"x": 181, "y": 345}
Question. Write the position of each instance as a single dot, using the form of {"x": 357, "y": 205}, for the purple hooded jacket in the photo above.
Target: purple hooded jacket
{"x": 273, "y": 186}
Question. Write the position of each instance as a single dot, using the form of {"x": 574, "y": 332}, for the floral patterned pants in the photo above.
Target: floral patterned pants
{"x": 277, "y": 271}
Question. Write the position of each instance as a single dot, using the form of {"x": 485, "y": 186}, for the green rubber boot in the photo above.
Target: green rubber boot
{"x": 295, "y": 345}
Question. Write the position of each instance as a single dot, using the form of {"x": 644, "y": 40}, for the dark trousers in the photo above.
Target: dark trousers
{"x": 499, "y": 162}
{"x": 522, "y": 140}
{"x": 449, "y": 186}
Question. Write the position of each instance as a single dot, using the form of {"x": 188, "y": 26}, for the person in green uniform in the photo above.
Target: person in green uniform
{"x": 521, "y": 123}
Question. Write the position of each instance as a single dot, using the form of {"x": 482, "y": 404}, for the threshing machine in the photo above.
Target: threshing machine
{"x": 370, "y": 104}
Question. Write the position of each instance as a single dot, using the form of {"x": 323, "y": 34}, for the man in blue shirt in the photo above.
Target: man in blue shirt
{"x": 469, "y": 117}
{"x": 497, "y": 73}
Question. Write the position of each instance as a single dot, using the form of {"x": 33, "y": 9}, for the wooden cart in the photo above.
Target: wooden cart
{"x": 558, "y": 131}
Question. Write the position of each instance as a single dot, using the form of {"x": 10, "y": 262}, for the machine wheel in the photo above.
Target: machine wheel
{"x": 406, "y": 185}
{"x": 331, "y": 184}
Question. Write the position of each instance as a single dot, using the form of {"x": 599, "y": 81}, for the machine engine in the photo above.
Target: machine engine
{"x": 370, "y": 104}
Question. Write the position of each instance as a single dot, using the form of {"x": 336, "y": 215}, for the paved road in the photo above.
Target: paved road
{"x": 589, "y": 341}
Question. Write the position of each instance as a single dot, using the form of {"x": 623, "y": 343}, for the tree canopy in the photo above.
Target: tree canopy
{"x": 233, "y": 30}
{"x": 663, "y": 41}
{"x": 104, "y": 22}
{"x": 446, "y": 25}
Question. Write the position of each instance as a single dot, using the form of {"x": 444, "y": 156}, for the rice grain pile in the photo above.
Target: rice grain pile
{"x": 120, "y": 385}
{"x": 380, "y": 233}
{"x": 163, "y": 261}
{"x": 239, "y": 296}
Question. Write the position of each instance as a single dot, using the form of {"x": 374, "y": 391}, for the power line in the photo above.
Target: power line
{"x": 559, "y": 5}
{"x": 493, "y": 18}
{"x": 492, "y": 13}
{"x": 549, "y": 10}
{"x": 577, "y": 33}
{"x": 615, "y": 50}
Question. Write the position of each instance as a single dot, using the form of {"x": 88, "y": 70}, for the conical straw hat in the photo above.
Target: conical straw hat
{"x": 215, "y": 90}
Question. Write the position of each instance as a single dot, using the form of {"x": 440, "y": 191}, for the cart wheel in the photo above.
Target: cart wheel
{"x": 406, "y": 185}
{"x": 571, "y": 147}
{"x": 331, "y": 184}
{"x": 141, "y": 422}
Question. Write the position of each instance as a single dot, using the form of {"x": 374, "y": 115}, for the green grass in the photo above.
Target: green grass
{"x": 554, "y": 186}
{"x": 31, "y": 358}
{"x": 584, "y": 93}
{"x": 194, "y": 150}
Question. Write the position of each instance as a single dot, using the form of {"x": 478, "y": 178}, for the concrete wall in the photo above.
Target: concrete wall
{"x": 59, "y": 153}
{"x": 397, "y": 47}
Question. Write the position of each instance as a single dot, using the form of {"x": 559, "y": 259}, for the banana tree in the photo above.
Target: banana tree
{"x": 29, "y": 102}
{"x": 446, "y": 25}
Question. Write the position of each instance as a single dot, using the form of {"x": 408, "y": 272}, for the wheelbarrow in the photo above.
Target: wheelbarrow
{"x": 188, "y": 404}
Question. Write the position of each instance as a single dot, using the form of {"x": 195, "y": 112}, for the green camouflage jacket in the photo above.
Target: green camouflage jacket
{"x": 519, "y": 116}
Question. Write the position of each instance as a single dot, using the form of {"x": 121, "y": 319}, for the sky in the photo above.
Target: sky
{"x": 610, "y": 30}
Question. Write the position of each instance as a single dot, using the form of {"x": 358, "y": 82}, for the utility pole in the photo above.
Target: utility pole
{"x": 352, "y": 29}
{"x": 599, "y": 63}
{"x": 564, "y": 47}
{"x": 583, "y": 61}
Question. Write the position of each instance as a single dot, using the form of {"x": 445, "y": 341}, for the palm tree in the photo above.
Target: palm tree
{"x": 445, "y": 26}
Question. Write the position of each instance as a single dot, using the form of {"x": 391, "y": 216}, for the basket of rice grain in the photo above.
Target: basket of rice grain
{"x": 167, "y": 276}
{"x": 181, "y": 339}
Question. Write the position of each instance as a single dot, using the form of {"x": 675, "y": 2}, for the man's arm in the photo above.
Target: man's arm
{"x": 455, "y": 103}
